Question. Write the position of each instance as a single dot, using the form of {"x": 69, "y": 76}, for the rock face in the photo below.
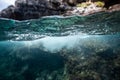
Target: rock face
{"x": 32, "y": 9}
{"x": 86, "y": 8}
{"x": 8, "y": 12}
{"x": 115, "y": 7}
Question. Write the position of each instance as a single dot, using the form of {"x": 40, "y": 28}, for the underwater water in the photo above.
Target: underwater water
{"x": 61, "y": 48}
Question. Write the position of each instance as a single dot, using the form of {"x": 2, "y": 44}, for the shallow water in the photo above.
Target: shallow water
{"x": 61, "y": 48}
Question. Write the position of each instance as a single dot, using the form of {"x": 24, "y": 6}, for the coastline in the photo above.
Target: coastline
{"x": 34, "y": 9}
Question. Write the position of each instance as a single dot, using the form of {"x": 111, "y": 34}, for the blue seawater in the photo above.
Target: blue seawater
{"x": 61, "y": 48}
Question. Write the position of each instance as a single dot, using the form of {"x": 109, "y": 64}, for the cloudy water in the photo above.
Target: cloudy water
{"x": 61, "y": 48}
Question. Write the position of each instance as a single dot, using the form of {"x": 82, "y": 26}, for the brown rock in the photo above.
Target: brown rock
{"x": 115, "y": 7}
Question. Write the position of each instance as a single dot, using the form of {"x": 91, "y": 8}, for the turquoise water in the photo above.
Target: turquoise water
{"x": 61, "y": 48}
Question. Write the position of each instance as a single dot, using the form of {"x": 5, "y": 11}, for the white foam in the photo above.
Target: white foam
{"x": 54, "y": 44}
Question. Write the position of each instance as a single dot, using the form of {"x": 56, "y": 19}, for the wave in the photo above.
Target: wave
{"x": 96, "y": 24}
{"x": 61, "y": 48}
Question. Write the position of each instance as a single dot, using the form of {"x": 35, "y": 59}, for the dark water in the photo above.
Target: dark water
{"x": 61, "y": 48}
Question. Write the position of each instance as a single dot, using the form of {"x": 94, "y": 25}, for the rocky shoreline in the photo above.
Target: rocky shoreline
{"x": 33, "y": 9}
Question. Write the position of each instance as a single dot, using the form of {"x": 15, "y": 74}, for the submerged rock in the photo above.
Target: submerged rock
{"x": 73, "y": 56}
{"x": 92, "y": 63}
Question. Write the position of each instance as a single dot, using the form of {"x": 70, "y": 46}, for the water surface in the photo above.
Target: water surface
{"x": 61, "y": 48}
